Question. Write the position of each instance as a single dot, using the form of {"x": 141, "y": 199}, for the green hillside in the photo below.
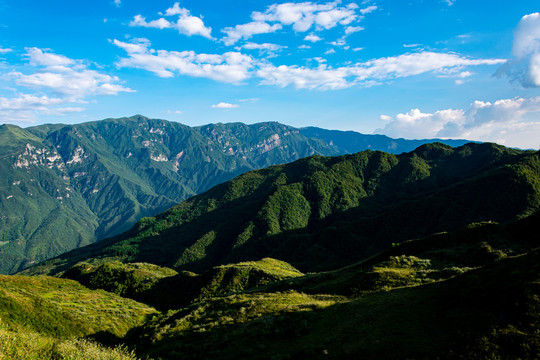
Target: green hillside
{"x": 470, "y": 294}
{"x": 431, "y": 254}
{"x": 323, "y": 213}
{"x": 66, "y": 186}
{"x": 47, "y": 318}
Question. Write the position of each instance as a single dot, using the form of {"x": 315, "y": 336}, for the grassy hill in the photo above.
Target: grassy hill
{"x": 47, "y": 318}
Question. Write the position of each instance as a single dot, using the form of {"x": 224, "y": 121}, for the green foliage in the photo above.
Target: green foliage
{"x": 66, "y": 186}
{"x": 28, "y": 345}
{"x": 323, "y": 213}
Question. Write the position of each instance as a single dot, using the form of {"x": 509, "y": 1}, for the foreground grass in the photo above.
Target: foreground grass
{"x": 18, "y": 344}
{"x": 65, "y": 309}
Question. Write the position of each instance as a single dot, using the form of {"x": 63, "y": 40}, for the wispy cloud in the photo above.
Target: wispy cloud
{"x": 224, "y": 105}
{"x": 368, "y": 73}
{"x": 235, "y": 67}
{"x": 246, "y": 31}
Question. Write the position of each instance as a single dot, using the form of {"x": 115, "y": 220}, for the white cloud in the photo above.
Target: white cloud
{"x": 160, "y": 23}
{"x": 186, "y": 24}
{"x": 66, "y": 77}
{"x": 340, "y": 42}
{"x": 508, "y": 121}
{"x": 352, "y": 29}
{"x": 449, "y": 2}
{"x": 231, "y": 67}
{"x": 304, "y": 47}
{"x": 177, "y": 112}
{"x": 117, "y": 3}
{"x": 358, "y": 49}
{"x": 4, "y": 51}
{"x": 235, "y": 67}
{"x": 39, "y": 57}
{"x": 59, "y": 81}
{"x": 312, "y": 38}
{"x": 265, "y": 46}
{"x": 176, "y": 10}
{"x": 224, "y": 105}
{"x": 246, "y": 31}
{"x": 322, "y": 77}
{"x": 26, "y": 107}
{"x": 368, "y": 73}
{"x": 411, "y": 45}
{"x": 524, "y": 66}
{"x": 368, "y": 9}
{"x": 302, "y": 16}
{"x": 329, "y": 52}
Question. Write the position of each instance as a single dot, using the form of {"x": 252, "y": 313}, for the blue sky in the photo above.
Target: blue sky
{"x": 413, "y": 69}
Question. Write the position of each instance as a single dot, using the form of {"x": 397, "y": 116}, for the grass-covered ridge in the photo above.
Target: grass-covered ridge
{"x": 321, "y": 213}
{"x": 147, "y": 282}
{"x": 65, "y": 309}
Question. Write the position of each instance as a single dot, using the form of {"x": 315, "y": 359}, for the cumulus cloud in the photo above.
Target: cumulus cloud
{"x": 312, "y": 38}
{"x": 246, "y": 31}
{"x": 302, "y": 16}
{"x": 230, "y": 67}
{"x": 39, "y": 57}
{"x": 186, "y": 23}
{"x": 524, "y": 65}
{"x": 507, "y": 121}
{"x": 4, "y": 51}
{"x": 65, "y": 77}
{"x": 224, "y": 105}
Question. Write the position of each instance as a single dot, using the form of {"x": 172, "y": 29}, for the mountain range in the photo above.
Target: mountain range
{"x": 66, "y": 186}
{"x": 429, "y": 254}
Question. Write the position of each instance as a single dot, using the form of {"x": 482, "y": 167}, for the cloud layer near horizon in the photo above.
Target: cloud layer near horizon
{"x": 511, "y": 122}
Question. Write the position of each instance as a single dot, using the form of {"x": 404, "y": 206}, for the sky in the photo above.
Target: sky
{"x": 407, "y": 69}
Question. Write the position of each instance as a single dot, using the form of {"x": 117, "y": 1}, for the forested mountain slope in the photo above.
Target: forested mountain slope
{"x": 320, "y": 213}
{"x": 66, "y": 186}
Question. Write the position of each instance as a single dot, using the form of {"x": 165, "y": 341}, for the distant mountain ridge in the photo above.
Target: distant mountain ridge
{"x": 66, "y": 186}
